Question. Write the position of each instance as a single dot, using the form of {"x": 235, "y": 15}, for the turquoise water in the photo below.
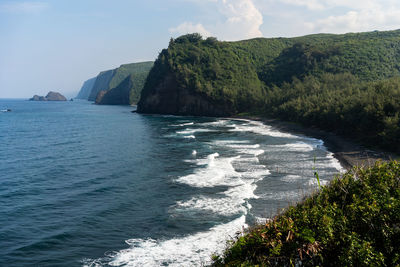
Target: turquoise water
{"x": 89, "y": 185}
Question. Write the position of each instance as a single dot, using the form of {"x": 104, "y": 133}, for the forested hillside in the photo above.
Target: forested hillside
{"x": 344, "y": 83}
{"x": 110, "y": 84}
{"x": 127, "y": 91}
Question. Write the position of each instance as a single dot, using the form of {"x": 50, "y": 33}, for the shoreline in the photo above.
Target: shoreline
{"x": 349, "y": 153}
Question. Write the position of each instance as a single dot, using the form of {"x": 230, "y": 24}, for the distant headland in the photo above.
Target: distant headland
{"x": 51, "y": 96}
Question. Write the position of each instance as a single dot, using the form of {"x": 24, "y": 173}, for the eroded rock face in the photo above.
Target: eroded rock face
{"x": 54, "y": 96}
{"x": 116, "y": 96}
{"x": 51, "y": 96}
{"x": 100, "y": 96}
{"x": 168, "y": 98}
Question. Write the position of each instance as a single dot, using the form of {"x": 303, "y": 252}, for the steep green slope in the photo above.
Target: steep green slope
{"x": 286, "y": 78}
{"x": 354, "y": 221}
{"x": 86, "y": 89}
{"x": 110, "y": 79}
{"x": 101, "y": 84}
{"x": 201, "y": 77}
{"x": 128, "y": 91}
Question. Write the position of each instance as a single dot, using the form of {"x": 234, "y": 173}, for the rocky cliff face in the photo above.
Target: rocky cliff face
{"x": 86, "y": 89}
{"x": 102, "y": 83}
{"x": 111, "y": 79}
{"x": 118, "y": 95}
{"x": 51, "y": 96}
{"x": 167, "y": 98}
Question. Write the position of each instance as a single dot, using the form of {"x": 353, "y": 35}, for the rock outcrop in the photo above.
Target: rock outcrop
{"x": 51, "y": 96}
{"x": 118, "y": 95}
{"x": 168, "y": 98}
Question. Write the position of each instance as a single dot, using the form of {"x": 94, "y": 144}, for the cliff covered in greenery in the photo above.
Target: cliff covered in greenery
{"x": 344, "y": 83}
{"x": 354, "y": 221}
{"x": 201, "y": 77}
{"x": 127, "y": 92}
{"x": 109, "y": 80}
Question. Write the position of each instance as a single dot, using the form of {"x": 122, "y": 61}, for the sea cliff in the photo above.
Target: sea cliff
{"x": 348, "y": 83}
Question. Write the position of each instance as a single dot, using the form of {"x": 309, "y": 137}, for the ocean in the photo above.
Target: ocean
{"x": 89, "y": 185}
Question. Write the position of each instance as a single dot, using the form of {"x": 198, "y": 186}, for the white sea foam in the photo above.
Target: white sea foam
{"x": 298, "y": 146}
{"x": 192, "y": 131}
{"x": 193, "y": 250}
{"x": 241, "y": 146}
{"x": 229, "y": 142}
{"x": 189, "y": 136}
{"x": 239, "y": 174}
{"x": 261, "y": 129}
{"x": 220, "y": 206}
{"x": 218, "y": 171}
{"x": 334, "y": 162}
{"x": 221, "y": 122}
{"x": 183, "y": 124}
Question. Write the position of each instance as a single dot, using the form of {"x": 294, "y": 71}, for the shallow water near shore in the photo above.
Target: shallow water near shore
{"x": 89, "y": 185}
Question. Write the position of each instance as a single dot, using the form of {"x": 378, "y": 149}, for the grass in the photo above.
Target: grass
{"x": 353, "y": 221}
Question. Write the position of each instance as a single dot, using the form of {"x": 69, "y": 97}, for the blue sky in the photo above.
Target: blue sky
{"x": 56, "y": 45}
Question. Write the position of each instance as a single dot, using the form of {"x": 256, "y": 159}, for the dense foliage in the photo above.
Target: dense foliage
{"x": 211, "y": 68}
{"x": 125, "y": 70}
{"x": 354, "y": 221}
{"x": 110, "y": 79}
{"x": 367, "y": 111}
{"x": 337, "y": 82}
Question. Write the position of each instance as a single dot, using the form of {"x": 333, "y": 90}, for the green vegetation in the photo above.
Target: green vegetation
{"x": 343, "y": 83}
{"x": 348, "y": 84}
{"x": 366, "y": 111}
{"x": 110, "y": 79}
{"x": 128, "y": 91}
{"x": 354, "y": 221}
{"x": 208, "y": 68}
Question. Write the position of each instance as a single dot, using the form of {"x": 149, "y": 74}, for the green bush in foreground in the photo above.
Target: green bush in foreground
{"x": 354, "y": 221}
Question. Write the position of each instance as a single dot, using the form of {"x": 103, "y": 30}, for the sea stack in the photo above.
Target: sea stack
{"x": 51, "y": 96}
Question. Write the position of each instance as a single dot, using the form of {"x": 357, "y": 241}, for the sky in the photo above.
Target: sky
{"x": 55, "y": 45}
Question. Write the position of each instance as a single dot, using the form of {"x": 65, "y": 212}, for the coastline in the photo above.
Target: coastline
{"x": 349, "y": 153}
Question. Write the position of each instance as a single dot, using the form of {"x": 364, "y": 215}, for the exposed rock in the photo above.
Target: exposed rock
{"x": 100, "y": 96}
{"x": 111, "y": 79}
{"x": 37, "y": 98}
{"x": 102, "y": 83}
{"x": 54, "y": 96}
{"x": 51, "y": 96}
{"x": 118, "y": 95}
{"x": 167, "y": 98}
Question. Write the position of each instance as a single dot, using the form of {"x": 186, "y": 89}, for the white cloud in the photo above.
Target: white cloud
{"x": 238, "y": 19}
{"x": 23, "y": 7}
{"x": 300, "y": 17}
{"x": 310, "y": 4}
{"x": 242, "y": 20}
{"x": 327, "y": 4}
{"x": 188, "y": 27}
{"x": 363, "y": 19}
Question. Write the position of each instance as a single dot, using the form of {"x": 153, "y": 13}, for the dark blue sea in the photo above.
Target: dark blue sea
{"x": 90, "y": 185}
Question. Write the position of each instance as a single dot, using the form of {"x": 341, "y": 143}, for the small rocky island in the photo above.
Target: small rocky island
{"x": 51, "y": 96}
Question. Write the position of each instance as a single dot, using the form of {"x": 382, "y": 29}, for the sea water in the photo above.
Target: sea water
{"x": 90, "y": 185}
